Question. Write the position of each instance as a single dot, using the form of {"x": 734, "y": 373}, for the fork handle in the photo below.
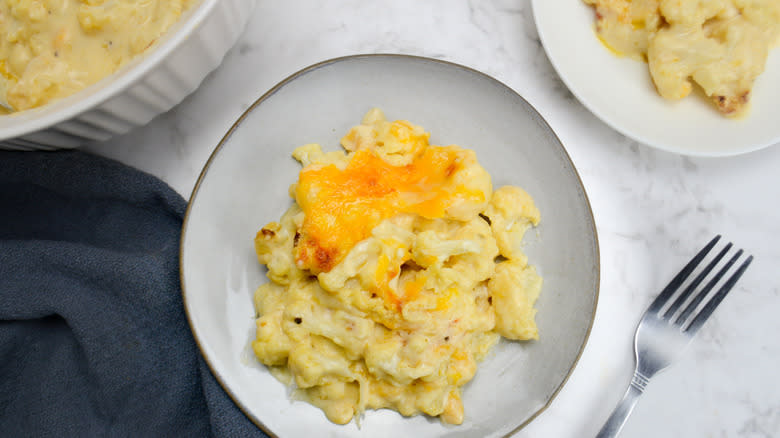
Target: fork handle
{"x": 619, "y": 416}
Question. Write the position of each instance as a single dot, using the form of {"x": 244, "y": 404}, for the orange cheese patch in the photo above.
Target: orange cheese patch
{"x": 341, "y": 207}
{"x": 384, "y": 274}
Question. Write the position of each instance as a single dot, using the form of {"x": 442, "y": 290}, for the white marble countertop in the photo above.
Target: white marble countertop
{"x": 653, "y": 209}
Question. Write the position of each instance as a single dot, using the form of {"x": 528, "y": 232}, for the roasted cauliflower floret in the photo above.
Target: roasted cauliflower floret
{"x": 511, "y": 213}
{"x": 514, "y": 290}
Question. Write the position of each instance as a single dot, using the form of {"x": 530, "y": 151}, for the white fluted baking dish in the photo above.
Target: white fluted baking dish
{"x": 146, "y": 87}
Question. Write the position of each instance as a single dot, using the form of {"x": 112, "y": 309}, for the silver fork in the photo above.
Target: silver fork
{"x": 670, "y": 323}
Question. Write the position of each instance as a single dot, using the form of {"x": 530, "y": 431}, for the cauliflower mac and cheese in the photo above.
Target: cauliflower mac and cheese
{"x": 720, "y": 45}
{"x": 50, "y": 49}
{"x": 393, "y": 274}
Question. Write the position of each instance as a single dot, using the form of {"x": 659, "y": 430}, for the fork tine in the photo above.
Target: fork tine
{"x": 706, "y": 290}
{"x": 695, "y": 283}
{"x": 670, "y": 289}
{"x": 717, "y": 298}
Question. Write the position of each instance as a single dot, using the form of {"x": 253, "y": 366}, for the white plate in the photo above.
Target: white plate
{"x": 620, "y": 92}
{"x": 244, "y": 186}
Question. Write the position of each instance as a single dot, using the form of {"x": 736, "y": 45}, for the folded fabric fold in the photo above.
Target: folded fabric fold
{"x": 93, "y": 336}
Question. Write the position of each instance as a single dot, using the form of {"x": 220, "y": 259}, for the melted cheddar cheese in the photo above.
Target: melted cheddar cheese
{"x": 341, "y": 207}
{"x": 393, "y": 274}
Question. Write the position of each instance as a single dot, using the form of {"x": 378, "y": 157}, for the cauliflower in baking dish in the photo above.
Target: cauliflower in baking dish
{"x": 720, "y": 45}
{"x": 50, "y": 49}
{"x": 393, "y": 274}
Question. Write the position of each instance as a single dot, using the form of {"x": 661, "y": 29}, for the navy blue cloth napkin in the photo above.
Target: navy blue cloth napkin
{"x": 93, "y": 336}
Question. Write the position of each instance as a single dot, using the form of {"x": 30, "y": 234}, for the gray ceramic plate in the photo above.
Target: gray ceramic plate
{"x": 244, "y": 185}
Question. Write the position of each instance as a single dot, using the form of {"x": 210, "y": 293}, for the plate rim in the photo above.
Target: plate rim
{"x": 606, "y": 119}
{"x": 302, "y": 72}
